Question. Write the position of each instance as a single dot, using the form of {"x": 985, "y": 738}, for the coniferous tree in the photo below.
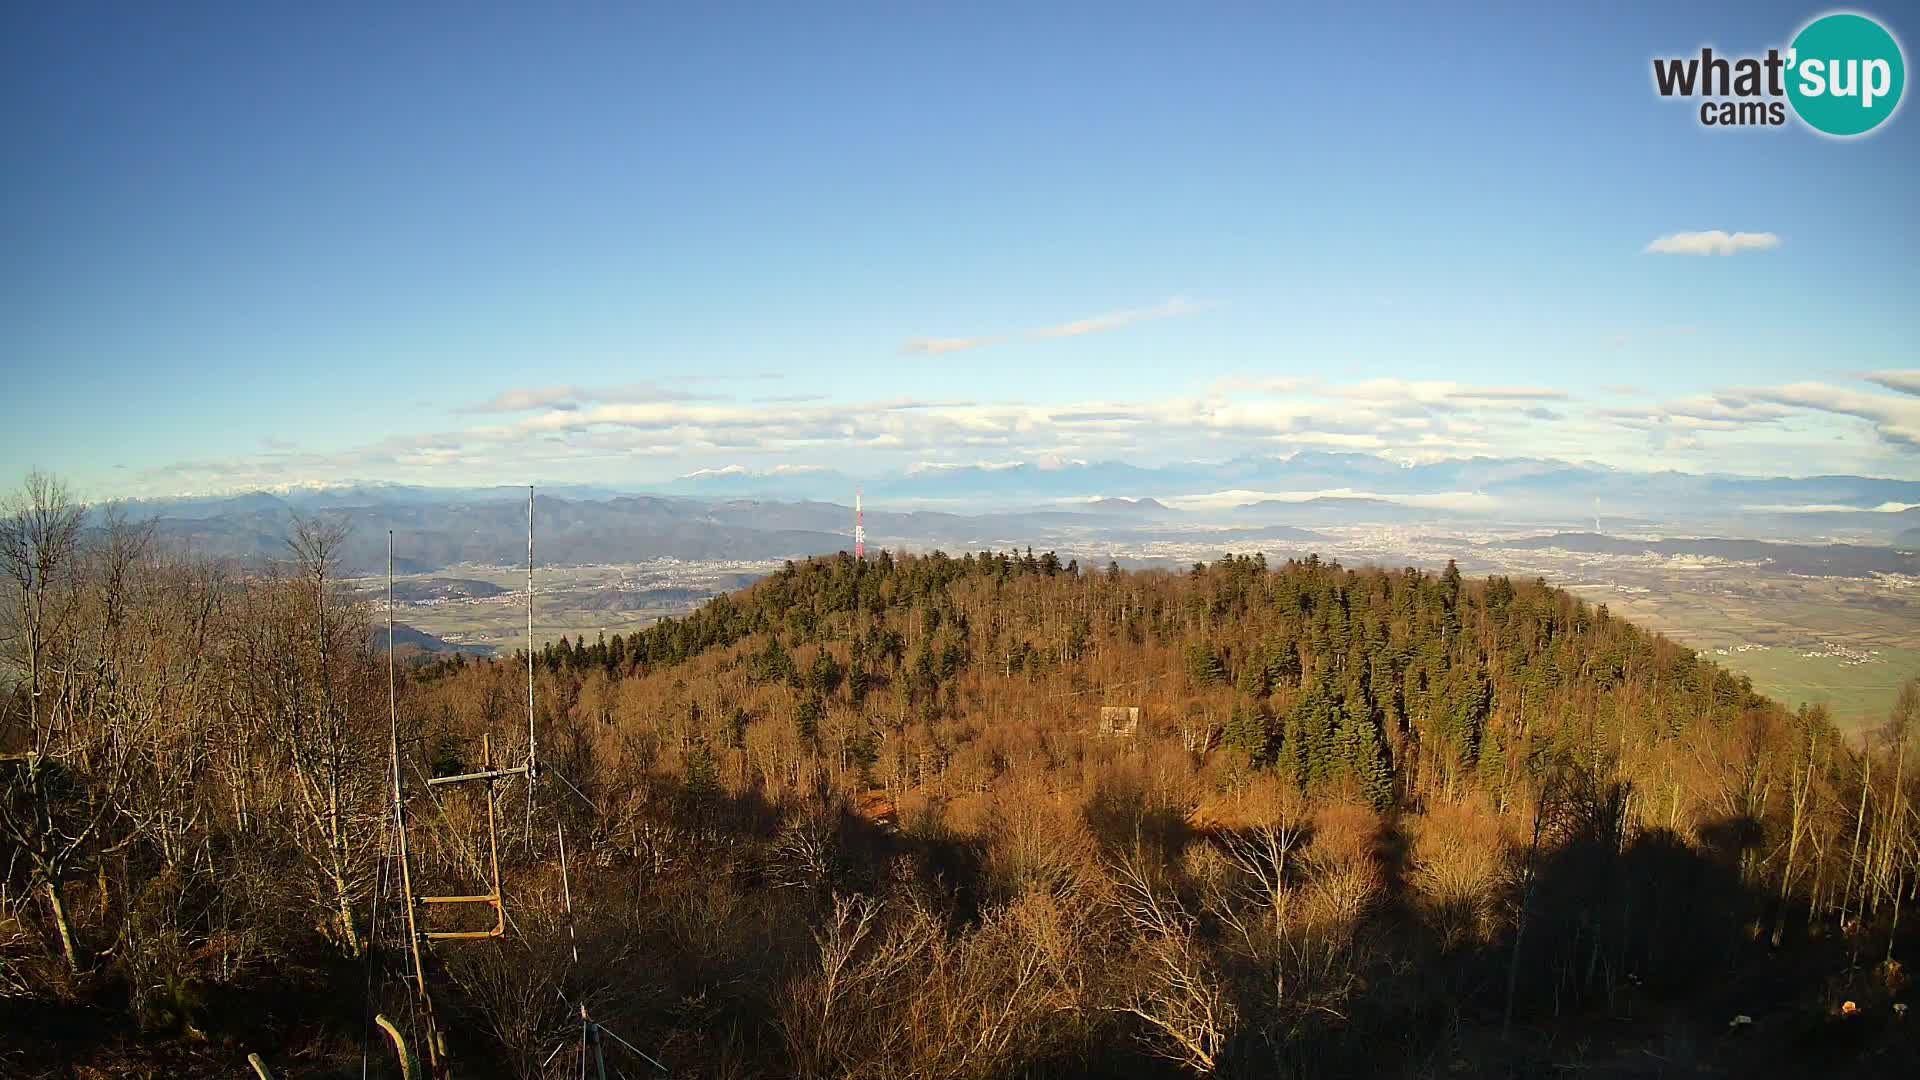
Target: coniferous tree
{"x": 1308, "y": 752}
{"x": 1256, "y": 674}
{"x": 1283, "y": 661}
{"x": 807, "y": 716}
{"x": 1592, "y": 765}
{"x": 1204, "y": 666}
{"x": 1363, "y": 757}
{"x": 823, "y": 676}
{"x": 701, "y": 786}
{"x": 1249, "y": 732}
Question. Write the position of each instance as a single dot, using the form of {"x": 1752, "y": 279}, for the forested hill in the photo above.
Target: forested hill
{"x": 1385, "y": 682}
{"x": 891, "y": 817}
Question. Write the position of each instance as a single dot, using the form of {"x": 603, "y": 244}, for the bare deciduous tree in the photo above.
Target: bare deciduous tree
{"x": 306, "y": 680}
{"x": 47, "y": 810}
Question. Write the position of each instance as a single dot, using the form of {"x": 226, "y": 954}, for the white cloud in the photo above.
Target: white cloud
{"x": 1896, "y": 419}
{"x": 527, "y": 398}
{"x": 530, "y": 398}
{"x": 948, "y": 466}
{"x": 937, "y": 346}
{"x": 1433, "y": 391}
{"x": 742, "y": 470}
{"x": 1424, "y": 420}
{"x": 1508, "y": 393}
{"x": 725, "y": 470}
{"x": 1262, "y": 384}
{"x": 1830, "y": 508}
{"x": 1724, "y": 412}
{"x": 1112, "y": 320}
{"x": 1440, "y": 500}
{"x": 1712, "y": 242}
{"x": 1907, "y": 382}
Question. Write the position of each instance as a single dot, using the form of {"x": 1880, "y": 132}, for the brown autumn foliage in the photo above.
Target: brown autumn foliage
{"x": 858, "y": 821}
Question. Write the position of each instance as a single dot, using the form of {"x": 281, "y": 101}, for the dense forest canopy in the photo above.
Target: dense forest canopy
{"x": 864, "y": 819}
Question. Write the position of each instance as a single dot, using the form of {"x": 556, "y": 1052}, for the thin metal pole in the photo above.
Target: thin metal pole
{"x": 493, "y": 828}
{"x": 400, "y": 822}
{"x": 381, "y": 880}
{"x": 533, "y": 753}
{"x": 644, "y": 1056}
{"x": 533, "y": 757}
{"x": 566, "y": 890}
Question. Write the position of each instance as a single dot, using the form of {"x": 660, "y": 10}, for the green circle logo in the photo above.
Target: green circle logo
{"x": 1845, "y": 74}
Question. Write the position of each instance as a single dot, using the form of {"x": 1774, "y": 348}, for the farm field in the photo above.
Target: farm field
{"x": 1844, "y": 644}
{"x": 1863, "y": 633}
{"x": 569, "y": 601}
{"x": 1858, "y": 694}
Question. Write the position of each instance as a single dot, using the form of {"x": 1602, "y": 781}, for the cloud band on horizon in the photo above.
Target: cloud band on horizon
{"x": 1403, "y": 420}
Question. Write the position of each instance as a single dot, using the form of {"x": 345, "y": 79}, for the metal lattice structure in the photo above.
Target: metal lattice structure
{"x": 489, "y": 774}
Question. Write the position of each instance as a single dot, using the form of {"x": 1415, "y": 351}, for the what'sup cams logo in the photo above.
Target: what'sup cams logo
{"x": 1842, "y": 76}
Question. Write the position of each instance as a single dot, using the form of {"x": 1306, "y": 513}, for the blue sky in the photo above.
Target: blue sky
{"x": 615, "y": 245}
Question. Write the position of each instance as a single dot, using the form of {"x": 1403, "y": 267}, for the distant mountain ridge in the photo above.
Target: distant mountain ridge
{"x": 1510, "y": 487}
{"x": 1114, "y": 505}
{"x": 1518, "y": 487}
{"x": 320, "y": 497}
{"x": 1082, "y": 506}
{"x": 430, "y": 537}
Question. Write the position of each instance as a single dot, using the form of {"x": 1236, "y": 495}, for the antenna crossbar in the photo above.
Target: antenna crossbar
{"x": 489, "y": 774}
{"x": 492, "y": 899}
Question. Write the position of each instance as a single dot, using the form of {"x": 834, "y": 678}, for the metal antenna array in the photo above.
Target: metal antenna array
{"x": 400, "y": 829}
{"x": 489, "y": 774}
{"x": 593, "y": 1034}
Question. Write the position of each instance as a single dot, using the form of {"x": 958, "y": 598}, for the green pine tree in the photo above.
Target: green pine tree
{"x": 1256, "y": 679}
{"x": 1249, "y": 732}
{"x": 1204, "y": 666}
{"x": 700, "y": 790}
{"x": 1309, "y": 749}
{"x": 1363, "y": 758}
{"x": 823, "y": 676}
{"x": 807, "y": 716}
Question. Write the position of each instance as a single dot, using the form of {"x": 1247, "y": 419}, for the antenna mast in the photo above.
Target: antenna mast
{"x": 400, "y": 829}
{"x": 488, "y": 774}
{"x": 533, "y": 758}
{"x": 859, "y": 528}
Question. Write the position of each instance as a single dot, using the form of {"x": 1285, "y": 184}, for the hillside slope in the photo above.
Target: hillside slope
{"x": 869, "y": 818}
{"x": 1353, "y": 758}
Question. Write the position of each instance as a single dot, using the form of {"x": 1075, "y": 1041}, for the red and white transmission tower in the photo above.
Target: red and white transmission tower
{"x": 859, "y": 528}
